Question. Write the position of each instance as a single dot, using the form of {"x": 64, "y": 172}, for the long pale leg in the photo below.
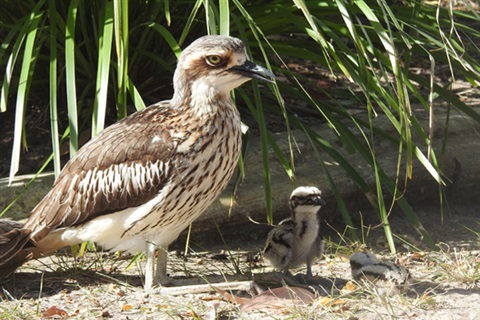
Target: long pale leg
{"x": 319, "y": 249}
{"x": 150, "y": 266}
{"x": 161, "y": 274}
{"x": 309, "y": 269}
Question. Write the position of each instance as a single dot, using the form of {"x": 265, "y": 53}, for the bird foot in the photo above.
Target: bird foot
{"x": 166, "y": 282}
{"x": 157, "y": 284}
{"x": 204, "y": 288}
{"x": 305, "y": 278}
{"x": 180, "y": 286}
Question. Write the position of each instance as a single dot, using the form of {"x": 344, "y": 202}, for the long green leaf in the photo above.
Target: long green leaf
{"x": 136, "y": 97}
{"x": 190, "y": 21}
{"x": 211, "y": 11}
{"x": 18, "y": 31}
{"x": 24, "y": 86}
{"x": 224, "y": 8}
{"x": 53, "y": 83}
{"x": 168, "y": 38}
{"x": 166, "y": 7}
{"x": 120, "y": 9}
{"x": 70, "y": 76}
{"x": 103, "y": 70}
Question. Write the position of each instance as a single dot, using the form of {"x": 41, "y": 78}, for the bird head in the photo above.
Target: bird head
{"x": 306, "y": 199}
{"x": 212, "y": 66}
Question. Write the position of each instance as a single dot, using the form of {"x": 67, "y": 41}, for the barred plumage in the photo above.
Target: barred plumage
{"x": 367, "y": 265}
{"x": 297, "y": 240}
{"x": 141, "y": 181}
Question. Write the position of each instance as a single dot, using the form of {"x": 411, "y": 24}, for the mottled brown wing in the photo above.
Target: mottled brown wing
{"x": 7, "y": 225}
{"x": 124, "y": 166}
{"x": 12, "y": 247}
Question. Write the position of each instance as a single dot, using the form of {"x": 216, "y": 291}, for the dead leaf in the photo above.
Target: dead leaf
{"x": 54, "y": 312}
{"x": 230, "y": 297}
{"x": 328, "y": 302}
{"x": 278, "y": 299}
{"x": 419, "y": 256}
{"x": 325, "y": 301}
{"x": 349, "y": 286}
{"x": 210, "y": 298}
{"x": 127, "y": 307}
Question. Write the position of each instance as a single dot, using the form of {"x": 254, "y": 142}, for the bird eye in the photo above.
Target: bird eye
{"x": 214, "y": 60}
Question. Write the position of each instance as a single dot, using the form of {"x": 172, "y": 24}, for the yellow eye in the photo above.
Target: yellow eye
{"x": 214, "y": 60}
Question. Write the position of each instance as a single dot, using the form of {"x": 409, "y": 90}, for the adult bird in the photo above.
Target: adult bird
{"x": 144, "y": 179}
{"x": 296, "y": 241}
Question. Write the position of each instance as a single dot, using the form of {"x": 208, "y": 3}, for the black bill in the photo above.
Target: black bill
{"x": 251, "y": 70}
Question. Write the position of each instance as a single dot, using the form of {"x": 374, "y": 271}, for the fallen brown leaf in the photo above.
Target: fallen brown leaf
{"x": 326, "y": 301}
{"x": 127, "y": 307}
{"x": 349, "y": 286}
{"x": 278, "y": 299}
{"x": 54, "y": 312}
{"x": 419, "y": 256}
{"x": 210, "y": 298}
{"x": 230, "y": 297}
{"x": 275, "y": 299}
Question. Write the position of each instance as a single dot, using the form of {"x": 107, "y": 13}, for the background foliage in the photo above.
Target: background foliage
{"x": 102, "y": 60}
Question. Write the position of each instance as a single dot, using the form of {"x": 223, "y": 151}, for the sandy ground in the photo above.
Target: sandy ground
{"x": 444, "y": 284}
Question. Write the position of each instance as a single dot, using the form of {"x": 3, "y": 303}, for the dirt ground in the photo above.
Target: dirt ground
{"x": 444, "y": 284}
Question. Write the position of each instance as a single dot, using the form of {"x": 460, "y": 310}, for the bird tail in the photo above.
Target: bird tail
{"x": 14, "y": 248}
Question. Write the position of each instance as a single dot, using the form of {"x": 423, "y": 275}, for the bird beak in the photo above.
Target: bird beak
{"x": 251, "y": 70}
{"x": 319, "y": 201}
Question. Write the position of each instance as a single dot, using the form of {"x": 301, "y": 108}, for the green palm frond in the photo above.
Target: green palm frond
{"x": 106, "y": 59}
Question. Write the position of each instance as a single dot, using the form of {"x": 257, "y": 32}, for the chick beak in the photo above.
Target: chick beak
{"x": 321, "y": 202}
{"x": 318, "y": 201}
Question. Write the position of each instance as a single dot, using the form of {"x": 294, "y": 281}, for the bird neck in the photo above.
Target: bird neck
{"x": 201, "y": 101}
{"x": 199, "y": 96}
{"x": 306, "y": 223}
{"x": 305, "y": 214}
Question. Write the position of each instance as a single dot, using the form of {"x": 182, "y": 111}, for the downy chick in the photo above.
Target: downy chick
{"x": 297, "y": 240}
